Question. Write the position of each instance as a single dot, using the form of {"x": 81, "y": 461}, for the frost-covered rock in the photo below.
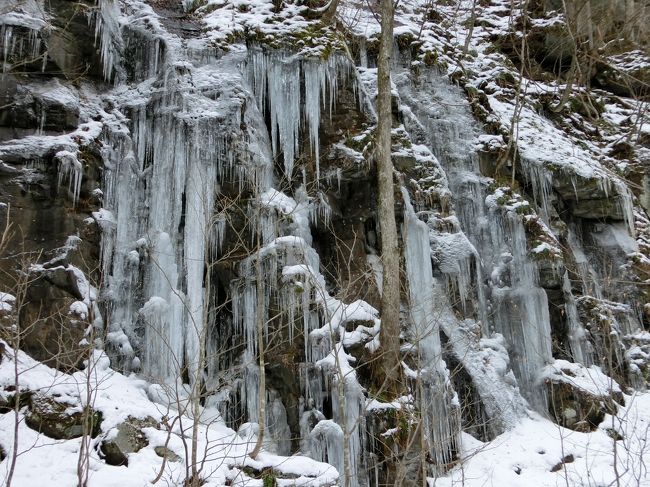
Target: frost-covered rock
{"x": 126, "y": 438}
{"x": 61, "y": 420}
{"x": 580, "y": 397}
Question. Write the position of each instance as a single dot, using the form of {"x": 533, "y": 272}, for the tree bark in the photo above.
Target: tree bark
{"x": 390, "y": 298}
{"x": 259, "y": 318}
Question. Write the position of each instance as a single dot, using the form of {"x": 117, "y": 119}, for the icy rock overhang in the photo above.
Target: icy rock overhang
{"x": 20, "y": 35}
{"x": 74, "y": 40}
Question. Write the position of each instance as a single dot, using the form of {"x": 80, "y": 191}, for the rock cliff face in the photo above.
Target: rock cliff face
{"x": 187, "y": 188}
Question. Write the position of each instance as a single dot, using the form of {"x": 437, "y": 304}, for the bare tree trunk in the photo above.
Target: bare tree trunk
{"x": 198, "y": 380}
{"x": 259, "y": 316}
{"x": 17, "y": 406}
{"x": 470, "y": 32}
{"x": 389, "y": 249}
{"x": 330, "y": 12}
{"x": 83, "y": 459}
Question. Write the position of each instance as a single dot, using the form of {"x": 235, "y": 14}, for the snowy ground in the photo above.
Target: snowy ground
{"x": 531, "y": 454}
{"x": 44, "y": 461}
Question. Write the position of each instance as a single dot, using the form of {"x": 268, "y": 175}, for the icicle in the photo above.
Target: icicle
{"x": 627, "y": 205}
{"x": 580, "y": 346}
{"x": 314, "y": 83}
{"x": 590, "y": 281}
{"x": 107, "y": 33}
{"x": 161, "y": 181}
{"x": 15, "y": 44}
{"x": 6, "y": 31}
{"x": 457, "y": 257}
{"x": 542, "y": 182}
{"x": 327, "y": 446}
{"x": 199, "y": 195}
{"x": 275, "y": 79}
{"x": 70, "y": 169}
{"x": 520, "y": 307}
{"x": 348, "y": 403}
{"x": 512, "y": 303}
{"x": 218, "y": 233}
{"x": 363, "y": 53}
{"x": 418, "y": 268}
{"x": 164, "y": 341}
{"x": 278, "y": 428}
{"x": 288, "y": 269}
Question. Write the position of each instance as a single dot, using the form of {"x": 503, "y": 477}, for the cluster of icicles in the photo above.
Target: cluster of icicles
{"x": 30, "y": 46}
{"x": 161, "y": 224}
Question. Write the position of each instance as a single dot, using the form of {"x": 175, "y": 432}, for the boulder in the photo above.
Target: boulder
{"x": 8, "y": 398}
{"x": 126, "y": 438}
{"x": 58, "y": 420}
{"x": 580, "y": 397}
{"x": 170, "y": 455}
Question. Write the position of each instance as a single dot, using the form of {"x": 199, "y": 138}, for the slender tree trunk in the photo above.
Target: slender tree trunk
{"x": 17, "y": 405}
{"x": 389, "y": 249}
{"x": 83, "y": 460}
{"x": 470, "y": 32}
{"x": 259, "y": 316}
{"x": 330, "y": 12}
{"x": 198, "y": 380}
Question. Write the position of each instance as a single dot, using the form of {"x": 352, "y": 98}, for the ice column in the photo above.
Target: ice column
{"x": 520, "y": 305}
{"x": 107, "y": 34}
{"x": 510, "y": 301}
{"x": 438, "y": 418}
{"x": 581, "y": 348}
{"x": 14, "y": 44}
{"x": 161, "y": 181}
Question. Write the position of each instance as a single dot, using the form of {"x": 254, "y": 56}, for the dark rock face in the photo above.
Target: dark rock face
{"x": 45, "y": 59}
{"x": 52, "y": 333}
{"x": 592, "y": 198}
{"x": 70, "y": 42}
{"x": 36, "y": 107}
{"x": 60, "y": 421}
